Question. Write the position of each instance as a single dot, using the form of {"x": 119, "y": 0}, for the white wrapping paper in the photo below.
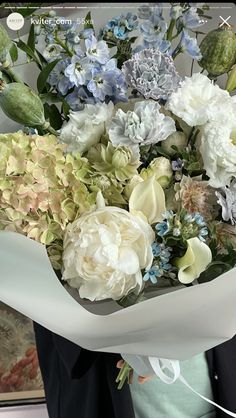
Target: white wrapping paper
{"x": 176, "y": 325}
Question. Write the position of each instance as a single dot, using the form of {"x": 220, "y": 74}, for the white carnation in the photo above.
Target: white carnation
{"x": 85, "y": 127}
{"x": 218, "y": 150}
{"x": 144, "y": 125}
{"x": 198, "y": 100}
{"x": 104, "y": 252}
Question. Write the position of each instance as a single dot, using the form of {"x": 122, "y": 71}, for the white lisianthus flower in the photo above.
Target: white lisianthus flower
{"x": 198, "y": 100}
{"x": 85, "y": 127}
{"x": 218, "y": 150}
{"x": 104, "y": 252}
{"x": 145, "y": 125}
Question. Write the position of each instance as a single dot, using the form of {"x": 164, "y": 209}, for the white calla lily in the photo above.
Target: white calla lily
{"x": 194, "y": 261}
{"x": 148, "y": 198}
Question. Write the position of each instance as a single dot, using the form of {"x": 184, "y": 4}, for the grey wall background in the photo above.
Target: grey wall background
{"x": 101, "y": 13}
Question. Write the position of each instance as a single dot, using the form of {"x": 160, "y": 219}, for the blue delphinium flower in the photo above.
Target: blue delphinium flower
{"x": 152, "y": 274}
{"x": 190, "y": 46}
{"x": 97, "y": 51}
{"x": 58, "y": 79}
{"x": 79, "y": 70}
{"x": 107, "y": 80}
{"x": 162, "y": 228}
{"x": 86, "y": 33}
{"x": 191, "y": 19}
{"x": 79, "y": 97}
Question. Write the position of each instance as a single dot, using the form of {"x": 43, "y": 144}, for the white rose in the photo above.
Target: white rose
{"x": 105, "y": 251}
{"x": 198, "y": 100}
{"x": 218, "y": 150}
{"x": 85, "y": 127}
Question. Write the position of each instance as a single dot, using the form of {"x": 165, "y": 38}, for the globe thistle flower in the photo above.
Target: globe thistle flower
{"x": 152, "y": 73}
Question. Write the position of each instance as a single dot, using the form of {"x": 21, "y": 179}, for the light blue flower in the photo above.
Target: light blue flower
{"x": 191, "y": 19}
{"x": 156, "y": 249}
{"x": 203, "y": 233}
{"x": 152, "y": 274}
{"x": 108, "y": 81}
{"x": 79, "y": 97}
{"x": 58, "y": 79}
{"x": 49, "y": 39}
{"x": 162, "y": 228}
{"x": 176, "y": 11}
{"x": 72, "y": 36}
{"x": 153, "y": 30}
{"x": 177, "y": 165}
{"x": 165, "y": 266}
{"x": 79, "y": 70}
{"x": 190, "y": 46}
{"x": 86, "y": 33}
{"x": 97, "y": 51}
{"x": 199, "y": 219}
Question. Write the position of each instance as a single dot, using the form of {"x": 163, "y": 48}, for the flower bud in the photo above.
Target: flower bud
{"x": 136, "y": 179}
{"x": 121, "y": 157}
{"x": 162, "y": 170}
{"x": 194, "y": 261}
{"x": 179, "y": 139}
{"x": 231, "y": 82}
{"x": 148, "y": 198}
{"x": 22, "y": 104}
{"x": 5, "y": 43}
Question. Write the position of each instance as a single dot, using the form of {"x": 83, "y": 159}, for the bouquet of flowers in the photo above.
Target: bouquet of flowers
{"x": 125, "y": 170}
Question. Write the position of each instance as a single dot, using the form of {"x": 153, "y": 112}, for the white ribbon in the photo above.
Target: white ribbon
{"x": 173, "y": 366}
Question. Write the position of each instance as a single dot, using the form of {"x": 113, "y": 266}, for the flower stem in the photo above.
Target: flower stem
{"x": 63, "y": 45}
{"x": 6, "y": 68}
{"x": 170, "y": 30}
{"x": 123, "y": 375}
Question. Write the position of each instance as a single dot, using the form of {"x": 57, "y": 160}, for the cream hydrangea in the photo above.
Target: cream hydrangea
{"x": 104, "y": 252}
{"x": 198, "y": 100}
{"x": 218, "y": 150}
{"x": 85, "y": 127}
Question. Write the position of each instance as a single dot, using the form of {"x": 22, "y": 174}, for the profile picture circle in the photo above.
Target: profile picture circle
{"x": 15, "y": 21}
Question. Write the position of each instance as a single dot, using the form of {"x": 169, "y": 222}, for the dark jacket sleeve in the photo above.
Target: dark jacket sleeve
{"x": 222, "y": 370}
{"x": 76, "y": 360}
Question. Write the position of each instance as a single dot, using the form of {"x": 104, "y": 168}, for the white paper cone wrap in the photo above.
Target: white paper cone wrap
{"x": 176, "y": 325}
{"x": 152, "y": 335}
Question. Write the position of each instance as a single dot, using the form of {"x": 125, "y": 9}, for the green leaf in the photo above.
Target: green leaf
{"x": 50, "y": 98}
{"x": 52, "y": 113}
{"x": 88, "y": 22}
{"x": 43, "y": 76}
{"x": 31, "y": 38}
{"x": 65, "y": 108}
{"x": 161, "y": 151}
{"x": 24, "y": 47}
{"x": 14, "y": 52}
{"x": 43, "y": 61}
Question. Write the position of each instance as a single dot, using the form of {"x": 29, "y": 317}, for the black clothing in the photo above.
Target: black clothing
{"x": 81, "y": 383}
{"x": 222, "y": 370}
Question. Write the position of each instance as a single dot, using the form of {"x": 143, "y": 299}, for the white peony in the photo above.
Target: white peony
{"x": 218, "y": 150}
{"x": 85, "y": 127}
{"x": 104, "y": 252}
{"x": 145, "y": 125}
{"x": 198, "y": 100}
